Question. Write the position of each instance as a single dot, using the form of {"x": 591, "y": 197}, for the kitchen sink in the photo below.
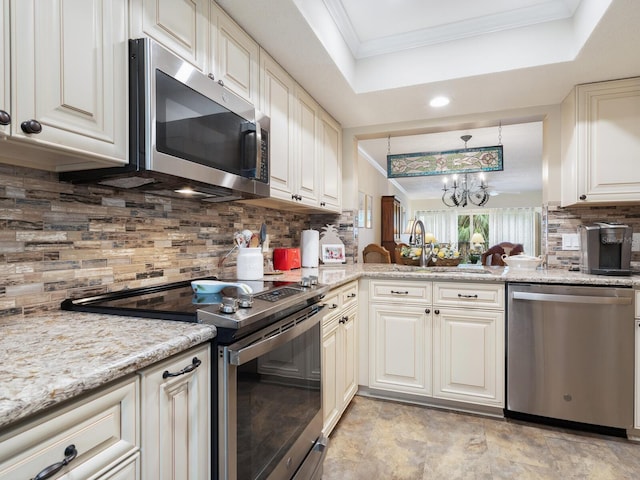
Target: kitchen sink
{"x": 466, "y": 270}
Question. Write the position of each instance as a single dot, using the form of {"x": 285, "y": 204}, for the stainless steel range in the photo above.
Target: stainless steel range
{"x": 267, "y": 403}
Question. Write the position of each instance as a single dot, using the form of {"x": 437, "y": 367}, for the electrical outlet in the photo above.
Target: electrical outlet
{"x": 570, "y": 241}
{"x": 635, "y": 243}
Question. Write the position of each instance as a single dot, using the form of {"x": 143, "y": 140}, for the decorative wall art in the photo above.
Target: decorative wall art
{"x": 465, "y": 160}
{"x": 361, "y": 209}
{"x": 368, "y": 211}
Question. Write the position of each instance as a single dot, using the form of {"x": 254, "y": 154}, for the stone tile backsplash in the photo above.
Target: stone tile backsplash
{"x": 557, "y": 221}
{"x": 59, "y": 240}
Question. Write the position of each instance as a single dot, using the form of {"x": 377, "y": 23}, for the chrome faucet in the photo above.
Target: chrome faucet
{"x": 424, "y": 259}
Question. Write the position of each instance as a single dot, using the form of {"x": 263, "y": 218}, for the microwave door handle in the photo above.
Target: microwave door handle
{"x": 258, "y": 151}
{"x": 247, "y": 130}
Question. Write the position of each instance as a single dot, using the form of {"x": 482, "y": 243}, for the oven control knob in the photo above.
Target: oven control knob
{"x": 229, "y": 305}
{"x": 305, "y": 282}
{"x": 313, "y": 279}
{"x": 245, "y": 300}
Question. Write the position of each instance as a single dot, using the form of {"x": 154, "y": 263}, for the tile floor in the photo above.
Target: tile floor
{"x": 378, "y": 439}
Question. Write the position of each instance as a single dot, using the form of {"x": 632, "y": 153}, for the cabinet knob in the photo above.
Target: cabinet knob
{"x": 221, "y": 83}
{"x": 461, "y": 295}
{"x": 344, "y": 319}
{"x": 69, "y": 454}
{"x": 323, "y": 204}
{"x": 437, "y": 312}
{"x": 351, "y": 295}
{"x": 583, "y": 197}
{"x": 427, "y": 310}
{"x": 5, "y": 118}
{"x": 31, "y": 126}
{"x": 398, "y": 292}
{"x": 211, "y": 76}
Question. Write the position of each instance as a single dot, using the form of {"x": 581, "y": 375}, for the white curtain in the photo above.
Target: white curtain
{"x": 515, "y": 225}
{"x": 443, "y": 225}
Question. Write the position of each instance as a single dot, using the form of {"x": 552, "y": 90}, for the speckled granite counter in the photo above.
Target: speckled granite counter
{"x": 336, "y": 275}
{"x": 47, "y": 359}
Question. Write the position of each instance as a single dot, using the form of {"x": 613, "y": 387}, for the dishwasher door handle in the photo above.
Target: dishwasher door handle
{"x": 559, "y": 298}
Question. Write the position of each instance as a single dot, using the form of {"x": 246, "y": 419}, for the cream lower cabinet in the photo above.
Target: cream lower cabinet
{"x": 400, "y": 333}
{"x": 442, "y": 340}
{"x": 99, "y": 436}
{"x": 637, "y": 386}
{"x": 339, "y": 353}
{"x": 175, "y": 417}
{"x": 468, "y": 346}
{"x": 5, "y": 106}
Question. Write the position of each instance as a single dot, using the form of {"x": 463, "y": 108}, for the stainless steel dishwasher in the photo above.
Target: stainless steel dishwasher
{"x": 570, "y": 353}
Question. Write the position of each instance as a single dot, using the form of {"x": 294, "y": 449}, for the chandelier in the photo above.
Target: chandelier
{"x": 468, "y": 189}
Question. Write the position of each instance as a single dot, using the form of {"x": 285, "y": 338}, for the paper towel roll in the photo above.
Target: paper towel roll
{"x": 310, "y": 240}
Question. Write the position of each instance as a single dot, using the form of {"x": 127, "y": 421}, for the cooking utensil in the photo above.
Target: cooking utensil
{"x": 221, "y": 261}
{"x": 247, "y": 237}
{"x": 254, "y": 242}
{"x": 263, "y": 234}
{"x": 239, "y": 239}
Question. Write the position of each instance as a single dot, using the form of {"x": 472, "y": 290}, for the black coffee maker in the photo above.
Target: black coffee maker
{"x": 606, "y": 248}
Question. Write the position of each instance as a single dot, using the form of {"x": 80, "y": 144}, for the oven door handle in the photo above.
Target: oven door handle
{"x": 253, "y": 350}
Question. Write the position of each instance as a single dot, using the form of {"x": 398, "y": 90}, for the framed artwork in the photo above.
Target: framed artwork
{"x": 368, "y": 209}
{"x": 333, "y": 253}
{"x": 361, "y": 209}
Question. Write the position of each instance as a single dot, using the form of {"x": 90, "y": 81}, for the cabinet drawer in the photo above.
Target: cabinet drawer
{"x": 482, "y": 295}
{"x": 332, "y": 303}
{"x": 349, "y": 294}
{"x": 103, "y": 428}
{"x": 399, "y": 290}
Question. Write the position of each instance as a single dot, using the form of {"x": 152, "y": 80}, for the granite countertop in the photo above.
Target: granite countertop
{"x": 52, "y": 357}
{"x": 49, "y": 358}
{"x": 337, "y": 275}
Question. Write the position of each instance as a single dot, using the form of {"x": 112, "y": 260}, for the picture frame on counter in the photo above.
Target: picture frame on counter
{"x": 333, "y": 253}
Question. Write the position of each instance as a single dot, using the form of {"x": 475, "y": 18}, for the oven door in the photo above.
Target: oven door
{"x": 270, "y": 401}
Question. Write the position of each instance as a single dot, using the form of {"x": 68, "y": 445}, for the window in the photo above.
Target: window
{"x": 456, "y": 227}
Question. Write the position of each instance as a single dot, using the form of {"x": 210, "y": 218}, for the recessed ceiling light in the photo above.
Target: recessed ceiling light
{"x": 439, "y": 101}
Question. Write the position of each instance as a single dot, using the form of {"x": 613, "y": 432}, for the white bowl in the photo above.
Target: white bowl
{"x": 522, "y": 262}
{"x": 215, "y": 286}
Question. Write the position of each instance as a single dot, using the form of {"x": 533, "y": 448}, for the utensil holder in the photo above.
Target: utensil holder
{"x": 249, "y": 265}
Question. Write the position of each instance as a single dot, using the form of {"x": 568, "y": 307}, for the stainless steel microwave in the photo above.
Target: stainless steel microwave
{"x": 188, "y": 134}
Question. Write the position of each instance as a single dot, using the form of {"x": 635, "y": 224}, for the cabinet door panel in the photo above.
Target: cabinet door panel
{"x": 277, "y": 102}
{"x": 237, "y": 59}
{"x": 331, "y": 163}
{"x": 400, "y": 348}
{"x": 307, "y": 136}
{"x": 180, "y": 25}
{"x": 350, "y": 363}
{"x": 330, "y": 375}
{"x": 469, "y": 355}
{"x": 71, "y": 74}
{"x": 4, "y": 63}
{"x": 175, "y": 418}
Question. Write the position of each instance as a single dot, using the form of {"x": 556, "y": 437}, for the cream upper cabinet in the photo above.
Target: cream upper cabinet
{"x": 5, "y": 99}
{"x": 601, "y": 143}
{"x": 235, "y": 56}
{"x": 69, "y": 79}
{"x": 175, "y": 416}
{"x": 307, "y": 121}
{"x": 330, "y": 163}
{"x": 181, "y": 26}
{"x": 277, "y": 95}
